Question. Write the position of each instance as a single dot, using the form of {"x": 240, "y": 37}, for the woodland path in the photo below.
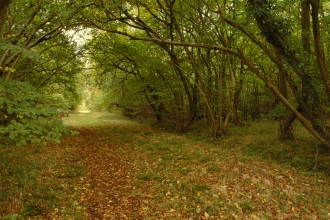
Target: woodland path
{"x": 138, "y": 172}
{"x": 108, "y": 184}
{"x": 106, "y": 191}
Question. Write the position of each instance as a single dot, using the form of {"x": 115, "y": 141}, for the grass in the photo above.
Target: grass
{"x": 304, "y": 153}
{"x": 92, "y": 119}
{"x": 259, "y": 140}
{"x": 36, "y": 182}
{"x": 247, "y": 174}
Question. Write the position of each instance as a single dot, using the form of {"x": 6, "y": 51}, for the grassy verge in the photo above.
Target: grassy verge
{"x": 248, "y": 174}
{"x": 37, "y": 182}
{"x": 305, "y": 153}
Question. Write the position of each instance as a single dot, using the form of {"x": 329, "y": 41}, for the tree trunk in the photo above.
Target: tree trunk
{"x": 239, "y": 114}
{"x": 4, "y": 4}
{"x": 318, "y": 45}
{"x": 313, "y": 129}
{"x": 309, "y": 98}
{"x": 231, "y": 96}
{"x": 285, "y": 124}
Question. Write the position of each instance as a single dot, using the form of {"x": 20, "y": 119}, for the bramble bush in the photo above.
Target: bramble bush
{"x": 25, "y": 115}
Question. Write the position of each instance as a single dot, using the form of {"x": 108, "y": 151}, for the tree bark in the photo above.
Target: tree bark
{"x": 4, "y": 5}
{"x": 285, "y": 124}
{"x": 318, "y": 45}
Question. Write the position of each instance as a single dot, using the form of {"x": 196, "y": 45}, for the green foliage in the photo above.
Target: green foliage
{"x": 20, "y": 49}
{"x": 279, "y": 111}
{"x": 35, "y": 49}
{"x": 25, "y": 116}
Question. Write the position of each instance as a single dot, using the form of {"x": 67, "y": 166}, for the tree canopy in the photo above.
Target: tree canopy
{"x": 178, "y": 61}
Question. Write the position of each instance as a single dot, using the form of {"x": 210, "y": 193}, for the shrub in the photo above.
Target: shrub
{"x": 25, "y": 115}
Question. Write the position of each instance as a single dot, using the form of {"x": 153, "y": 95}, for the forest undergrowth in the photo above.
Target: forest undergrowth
{"x": 119, "y": 169}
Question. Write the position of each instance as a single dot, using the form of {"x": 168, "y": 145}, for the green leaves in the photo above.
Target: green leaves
{"x": 20, "y": 49}
{"x": 25, "y": 115}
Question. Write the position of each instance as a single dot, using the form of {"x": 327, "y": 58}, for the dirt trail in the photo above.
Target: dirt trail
{"x": 106, "y": 189}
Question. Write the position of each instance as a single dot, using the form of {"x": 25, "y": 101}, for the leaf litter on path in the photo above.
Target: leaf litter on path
{"x": 106, "y": 189}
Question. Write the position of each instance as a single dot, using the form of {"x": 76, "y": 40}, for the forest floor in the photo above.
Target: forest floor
{"x": 119, "y": 169}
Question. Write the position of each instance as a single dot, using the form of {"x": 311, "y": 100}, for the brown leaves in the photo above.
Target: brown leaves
{"x": 106, "y": 190}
